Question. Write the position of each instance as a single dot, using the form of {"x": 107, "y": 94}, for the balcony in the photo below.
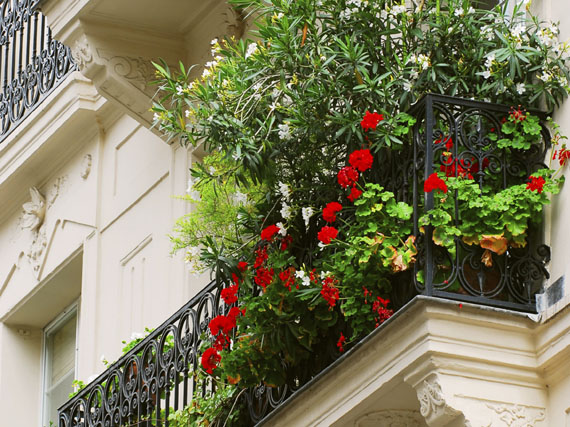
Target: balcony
{"x": 155, "y": 378}
{"x": 32, "y": 63}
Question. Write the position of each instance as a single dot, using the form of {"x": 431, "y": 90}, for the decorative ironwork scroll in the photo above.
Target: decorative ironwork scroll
{"x": 510, "y": 280}
{"x": 32, "y": 63}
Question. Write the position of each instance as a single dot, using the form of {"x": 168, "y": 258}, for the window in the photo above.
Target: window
{"x": 59, "y": 362}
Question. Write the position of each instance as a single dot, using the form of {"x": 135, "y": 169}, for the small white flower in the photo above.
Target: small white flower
{"x": 279, "y": 15}
{"x": 179, "y": 90}
{"x": 518, "y": 30}
{"x": 384, "y": 14}
{"x": 307, "y": 213}
{"x": 458, "y": 12}
{"x": 156, "y": 117}
{"x": 282, "y": 230}
{"x": 396, "y": 10}
{"x": 206, "y": 73}
{"x": 286, "y": 101}
{"x": 471, "y": 10}
{"x": 299, "y": 274}
{"x": 251, "y": 50}
{"x": 136, "y": 336}
{"x": 544, "y": 76}
{"x": 325, "y": 274}
{"x": 284, "y": 190}
{"x": 286, "y": 211}
{"x": 214, "y": 42}
{"x": 284, "y": 131}
{"x": 407, "y": 86}
{"x": 212, "y": 170}
{"x": 235, "y": 156}
{"x": 486, "y": 74}
{"x": 187, "y": 113}
{"x": 520, "y": 88}
{"x": 240, "y": 198}
{"x": 414, "y": 74}
{"x": 306, "y": 281}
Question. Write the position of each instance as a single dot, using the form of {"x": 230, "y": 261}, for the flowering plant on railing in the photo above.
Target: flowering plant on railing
{"x": 302, "y": 125}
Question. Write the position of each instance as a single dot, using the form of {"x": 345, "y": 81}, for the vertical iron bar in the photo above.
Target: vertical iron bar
{"x": 428, "y": 197}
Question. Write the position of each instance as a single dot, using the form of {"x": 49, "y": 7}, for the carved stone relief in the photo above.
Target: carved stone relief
{"x": 517, "y": 415}
{"x": 137, "y": 70}
{"x": 391, "y": 418}
{"x": 55, "y": 190}
{"x": 81, "y": 53}
{"x": 33, "y": 219}
{"x": 434, "y": 407}
{"x": 34, "y": 210}
{"x": 86, "y": 166}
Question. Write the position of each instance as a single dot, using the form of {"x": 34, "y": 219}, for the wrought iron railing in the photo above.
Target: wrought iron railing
{"x": 156, "y": 377}
{"x": 510, "y": 280}
{"x": 32, "y": 63}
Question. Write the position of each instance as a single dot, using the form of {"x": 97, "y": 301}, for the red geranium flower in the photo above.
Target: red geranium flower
{"x": 330, "y": 293}
{"x": 260, "y": 257}
{"x": 288, "y": 277}
{"x": 330, "y": 210}
{"x": 263, "y": 277}
{"x": 222, "y": 324}
{"x": 285, "y": 242}
{"x": 327, "y": 234}
{"x": 563, "y": 156}
{"x": 340, "y": 342}
{"x": 233, "y": 314}
{"x": 268, "y": 232}
{"x": 210, "y": 359}
{"x": 371, "y": 120}
{"x": 242, "y": 266}
{"x": 434, "y": 182}
{"x": 355, "y": 193}
{"x": 361, "y": 160}
{"x": 535, "y": 184}
{"x": 382, "y": 313}
{"x": 347, "y": 176}
{"x": 229, "y": 294}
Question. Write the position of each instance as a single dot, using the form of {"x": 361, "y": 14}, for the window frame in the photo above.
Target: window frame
{"x": 57, "y": 322}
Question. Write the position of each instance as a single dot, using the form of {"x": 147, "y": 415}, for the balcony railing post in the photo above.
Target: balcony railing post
{"x": 428, "y": 197}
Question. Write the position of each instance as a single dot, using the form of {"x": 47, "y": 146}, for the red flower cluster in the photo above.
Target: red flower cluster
{"x": 355, "y": 193}
{"x": 517, "y": 115}
{"x": 329, "y": 292}
{"x": 340, "y": 342}
{"x": 223, "y": 324}
{"x": 229, "y": 295}
{"x": 210, "y": 359}
{"x": 288, "y": 278}
{"x": 361, "y": 160}
{"x": 563, "y": 155}
{"x": 329, "y": 212}
{"x": 448, "y": 142}
{"x": 260, "y": 257}
{"x": 285, "y": 242}
{"x": 347, "y": 176}
{"x": 371, "y": 120}
{"x": 535, "y": 184}
{"x": 327, "y": 234}
{"x": 268, "y": 232}
{"x": 382, "y": 313}
{"x": 263, "y": 277}
{"x": 434, "y": 182}
{"x": 242, "y": 266}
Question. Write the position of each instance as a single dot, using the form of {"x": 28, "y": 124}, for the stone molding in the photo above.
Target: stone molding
{"x": 391, "y": 418}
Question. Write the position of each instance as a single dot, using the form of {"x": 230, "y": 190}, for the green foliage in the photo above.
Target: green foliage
{"x": 281, "y": 115}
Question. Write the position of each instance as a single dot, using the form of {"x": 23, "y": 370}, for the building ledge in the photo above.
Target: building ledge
{"x": 435, "y": 362}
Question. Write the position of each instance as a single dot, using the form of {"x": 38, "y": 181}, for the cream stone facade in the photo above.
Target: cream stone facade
{"x": 86, "y": 206}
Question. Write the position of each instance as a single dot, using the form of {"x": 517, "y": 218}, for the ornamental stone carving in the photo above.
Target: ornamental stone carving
{"x": 81, "y": 53}
{"x": 434, "y": 407}
{"x": 86, "y": 166}
{"x": 137, "y": 70}
{"x": 391, "y": 418}
{"x": 517, "y": 415}
{"x": 34, "y": 211}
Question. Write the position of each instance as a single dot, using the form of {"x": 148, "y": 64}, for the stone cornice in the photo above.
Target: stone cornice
{"x": 454, "y": 357}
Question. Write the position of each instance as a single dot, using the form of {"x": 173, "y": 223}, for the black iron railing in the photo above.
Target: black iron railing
{"x": 32, "y": 63}
{"x": 509, "y": 280}
{"x": 156, "y": 377}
